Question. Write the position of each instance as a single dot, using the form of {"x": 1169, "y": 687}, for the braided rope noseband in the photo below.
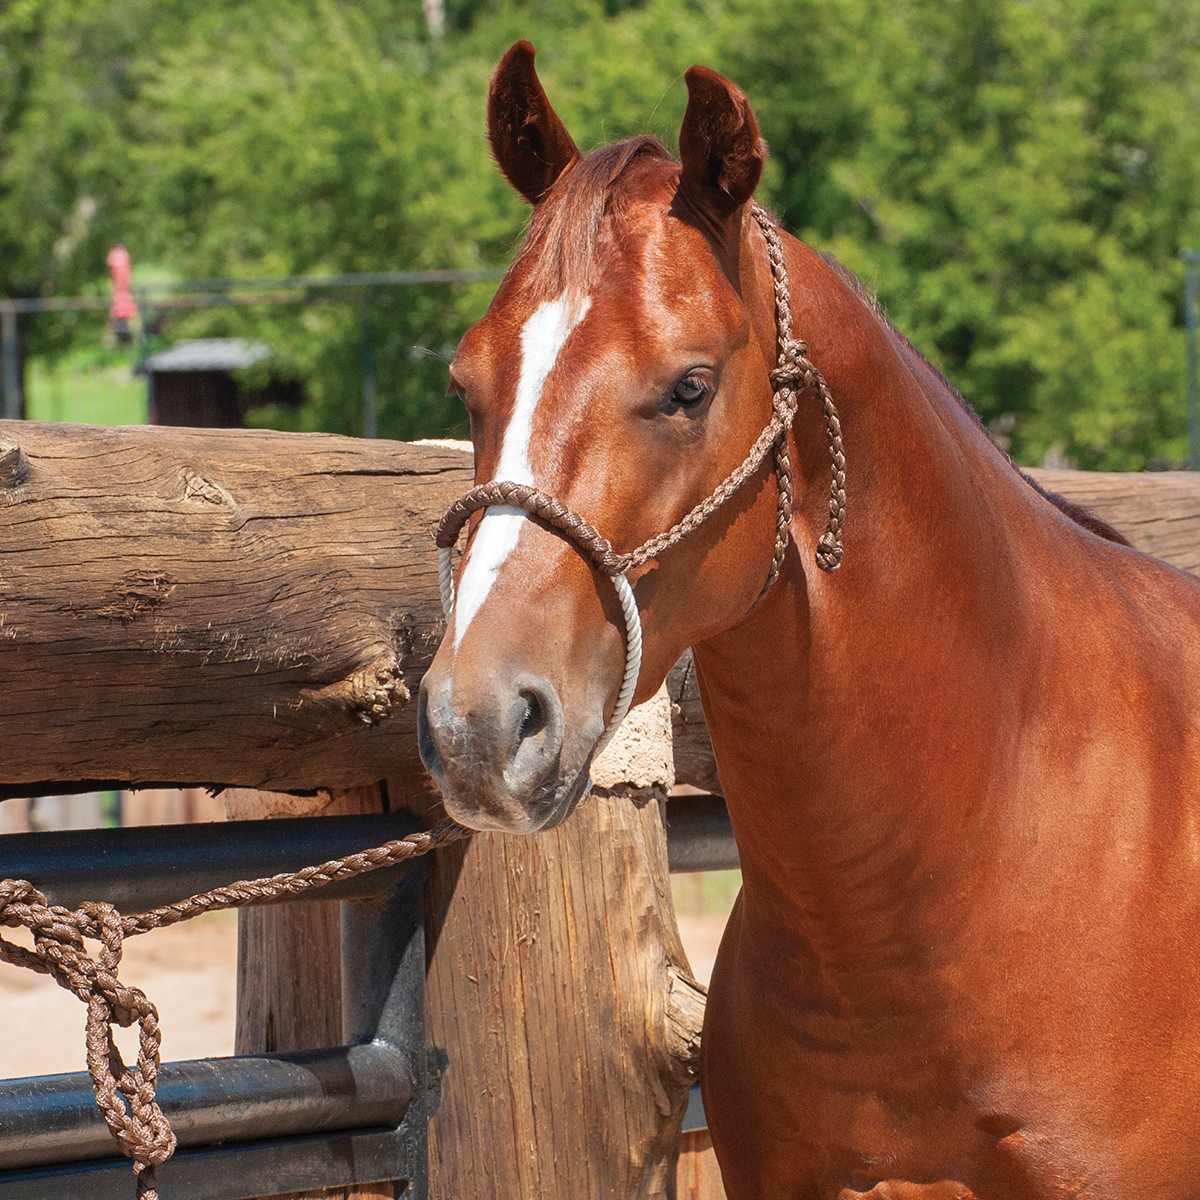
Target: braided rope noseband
{"x": 794, "y": 373}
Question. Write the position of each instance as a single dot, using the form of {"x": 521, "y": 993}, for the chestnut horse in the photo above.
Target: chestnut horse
{"x": 962, "y": 769}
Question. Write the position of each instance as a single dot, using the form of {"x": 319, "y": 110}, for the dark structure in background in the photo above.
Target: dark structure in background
{"x": 192, "y": 383}
{"x": 355, "y": 287}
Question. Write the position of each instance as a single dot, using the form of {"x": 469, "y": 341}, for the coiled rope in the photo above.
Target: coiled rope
{"x": 125, "y": 1095}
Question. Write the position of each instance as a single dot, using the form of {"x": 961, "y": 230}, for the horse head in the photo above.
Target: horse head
{"x": 621, "y": 370}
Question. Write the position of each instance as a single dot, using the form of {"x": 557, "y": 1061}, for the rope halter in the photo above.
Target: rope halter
{"x": 793, "y": 374}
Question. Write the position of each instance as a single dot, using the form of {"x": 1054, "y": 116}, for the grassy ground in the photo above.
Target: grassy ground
{"x": 95, "y": 387}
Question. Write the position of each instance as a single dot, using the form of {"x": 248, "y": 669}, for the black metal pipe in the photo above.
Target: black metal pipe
{"x": 10, "y": 367}
{"x": 272, "y": 1168}
{"x": 138, "y": 868}
{"x": 1191, "y": 313}
{"x": 54, "y": 1119}
{"x": 700, "y": 834}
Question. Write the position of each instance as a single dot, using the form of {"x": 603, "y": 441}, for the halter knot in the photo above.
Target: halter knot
{"x": 793, "y": 369}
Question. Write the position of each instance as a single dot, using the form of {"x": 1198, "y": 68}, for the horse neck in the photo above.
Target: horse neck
{"x": 851, "y": 714}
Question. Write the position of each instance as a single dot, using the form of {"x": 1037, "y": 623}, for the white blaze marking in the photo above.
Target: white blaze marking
{"x": 543, "y": 336}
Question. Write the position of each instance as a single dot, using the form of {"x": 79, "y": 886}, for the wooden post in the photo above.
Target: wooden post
{"x": 289, "y": 987}
{"x": 563, "y": 1018}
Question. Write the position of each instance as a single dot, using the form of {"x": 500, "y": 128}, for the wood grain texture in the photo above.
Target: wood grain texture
{"x": 561, "y": 1070}
{"x": 257, "y": 608}
{"x": 698, "y": 1177}
{"x": 289, "y": 993}
{"x": 694, "y": 762}
{"x": 215, "y": 606}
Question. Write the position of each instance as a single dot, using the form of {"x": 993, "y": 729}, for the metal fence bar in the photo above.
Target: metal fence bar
{"x": 10, "y": 366}
{"x": 54, "y": 1118}
{"x": 700, "y": 834}
{"x": 346, "y": 279}
{"x": 370, "y": 415}
{"x": 138, "y": 868}
{"x": 175, "y": 295}
{"x": 383, "y": 1002}
{"x": 141, "y": 867}
{"x": 1191, "y": 311}
{"x": 234, "y": 1172}
{"x": 377, "y": 1084}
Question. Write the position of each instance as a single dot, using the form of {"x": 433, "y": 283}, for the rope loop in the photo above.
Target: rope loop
{"x": 126, "y": 1095}
{"x": 793, "y": 374}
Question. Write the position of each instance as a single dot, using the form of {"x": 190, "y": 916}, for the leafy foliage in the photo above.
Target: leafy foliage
{"x": 1014, "y": 177}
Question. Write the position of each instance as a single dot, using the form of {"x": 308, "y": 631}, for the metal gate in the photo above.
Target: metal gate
{"x": 268, "y": 1124}
{"x": 251, "y": 1125}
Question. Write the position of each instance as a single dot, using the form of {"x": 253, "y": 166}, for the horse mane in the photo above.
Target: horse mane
{"x": 1075, "y": 512}
{"x": 561, "y": 238}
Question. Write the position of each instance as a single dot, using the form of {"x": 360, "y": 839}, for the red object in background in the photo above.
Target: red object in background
{"x": 123, "y": 306}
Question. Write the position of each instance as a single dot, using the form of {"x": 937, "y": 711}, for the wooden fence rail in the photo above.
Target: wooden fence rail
{"x": 255, "y": 609}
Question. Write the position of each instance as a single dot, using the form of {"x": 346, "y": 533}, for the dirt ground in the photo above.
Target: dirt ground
{"x": 189, "y": 971}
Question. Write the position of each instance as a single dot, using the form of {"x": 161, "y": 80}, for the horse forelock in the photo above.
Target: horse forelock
{"x": 556, "y": 256}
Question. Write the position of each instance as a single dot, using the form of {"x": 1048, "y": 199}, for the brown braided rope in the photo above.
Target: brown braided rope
{"x": 126, "y": 1096}
{"x": 793, "y": 374}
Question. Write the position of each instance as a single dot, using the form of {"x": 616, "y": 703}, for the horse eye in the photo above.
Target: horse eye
{"x": 690, "y": 390}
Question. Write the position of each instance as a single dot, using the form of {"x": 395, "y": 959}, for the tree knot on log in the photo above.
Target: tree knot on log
{"x": 685, "y": 1019}
{"x": 199, "y": 490}
{"x": 370, "y": 695}
{"x": 14, "y": 464}
{"x": 135, "y": 594}
{"x": 378, "y": 691}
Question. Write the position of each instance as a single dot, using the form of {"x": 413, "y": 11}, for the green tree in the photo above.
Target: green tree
{"x": 1015, "y": 179}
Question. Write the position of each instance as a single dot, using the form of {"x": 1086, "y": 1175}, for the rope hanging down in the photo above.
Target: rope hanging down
{"x": 124, "y": 1095}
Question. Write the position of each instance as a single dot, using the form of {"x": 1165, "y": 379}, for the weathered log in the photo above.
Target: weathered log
{"x": 214, "y": 606}
{"x": 256, "y": 608}
{"x": 694, "y": 762}
{"x": 561, "y": 1013}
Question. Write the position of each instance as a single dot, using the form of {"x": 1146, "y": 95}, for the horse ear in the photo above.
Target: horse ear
{"x": 722, "y": 153}
{"x": 531, "y": 145}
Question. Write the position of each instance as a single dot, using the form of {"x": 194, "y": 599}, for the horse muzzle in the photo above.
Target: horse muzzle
{"x": 496, "y": 751}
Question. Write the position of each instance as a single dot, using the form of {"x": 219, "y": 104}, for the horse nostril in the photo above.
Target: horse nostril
{"x": 536, "y": 727}
{"x": 534, "y": 720}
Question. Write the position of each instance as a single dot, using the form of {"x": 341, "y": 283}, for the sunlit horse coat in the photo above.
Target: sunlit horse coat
{"x": 964, "y": 771}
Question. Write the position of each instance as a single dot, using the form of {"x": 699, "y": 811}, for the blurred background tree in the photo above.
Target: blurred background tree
{"x": 1014, "y": 178}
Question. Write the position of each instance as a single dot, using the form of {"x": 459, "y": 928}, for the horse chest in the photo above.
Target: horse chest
{"x": 814, "y": 1096}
